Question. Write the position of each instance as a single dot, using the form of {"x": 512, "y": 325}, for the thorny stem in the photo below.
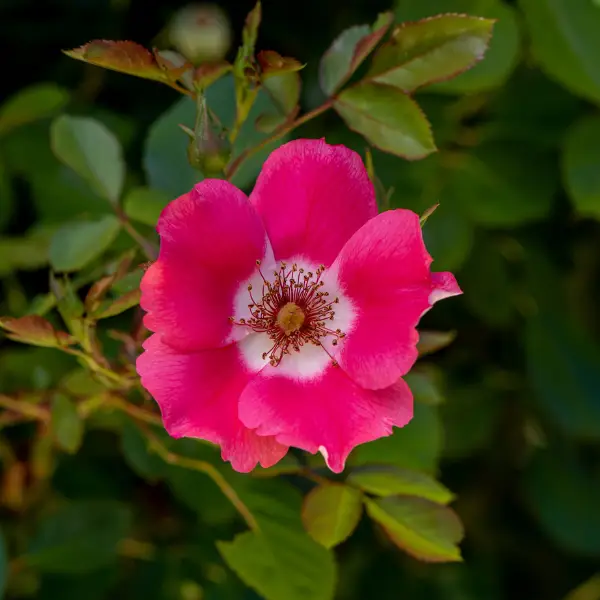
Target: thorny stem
{"x": 235, "y": 165}
{"x": 204, "y": 467}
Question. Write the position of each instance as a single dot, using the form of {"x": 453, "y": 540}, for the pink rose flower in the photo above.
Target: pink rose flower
{"x": 287, "y": 318}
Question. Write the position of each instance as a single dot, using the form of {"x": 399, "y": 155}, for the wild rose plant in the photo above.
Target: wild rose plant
{"x": 276, "y": 325}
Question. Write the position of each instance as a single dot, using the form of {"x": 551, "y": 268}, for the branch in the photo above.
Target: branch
{"x": 235, "y": 165}
{"x": 206, "y": 468}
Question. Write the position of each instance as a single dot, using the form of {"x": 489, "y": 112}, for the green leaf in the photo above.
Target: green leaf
{"x": 81, "y": 536}
{"x": 432, "y": 341}
{"x": 76, "y": 244}
{"x": 92, "y": 151}
{"x": 426, "y": 530}
{"x": 388, "y": 480}
{"x": 145, "y": 204}
{"x": 581, "y": 166}
{"x": 449, "y": 238}
{"x": 424, "y": 383}
{"x": 30, "y": 104}
{"x": 414, "y": 446}
{"x": 387, "y": 118}
{"x": 111, "y": 308}
{"x": 286, "y": 565}
{"x": 564, "y": 369}
{"x": 67, "y": 425}
{"x": 501, "y": 56}
{"x": 165, "y": 153}
{"x": 430, "y": 50}
{"x": 565, "y": 41}
{"x": 331, "y": 512}
{"x": 3, "y": 565}
{"x": 498, "y": 185}
{"x": 280, "y": 560}
{"x": 564, "y": 496}
{"x": 348, "y": 51}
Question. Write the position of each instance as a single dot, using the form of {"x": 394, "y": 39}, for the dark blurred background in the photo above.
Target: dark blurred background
{"x": 512, "y": 424}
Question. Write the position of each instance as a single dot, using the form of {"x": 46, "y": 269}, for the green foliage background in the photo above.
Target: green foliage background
{"x": 508, "y": 416}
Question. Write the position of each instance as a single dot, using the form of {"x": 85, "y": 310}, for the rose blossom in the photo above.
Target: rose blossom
{"x": 287, "y": 318}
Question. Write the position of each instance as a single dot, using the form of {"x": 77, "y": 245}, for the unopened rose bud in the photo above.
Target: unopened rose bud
{"x": 201, "y": 32}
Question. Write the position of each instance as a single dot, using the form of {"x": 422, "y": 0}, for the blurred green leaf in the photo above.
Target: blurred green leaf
{"x": 92, "y": 151}
{"x": 348, "y": 51}
{"x": 487, "y": 285}
{"x": 414, "y": 446}
{"x": 430, "y": 50}
{"x": 145, "y": 204}
{"x": 82, "y": 536}
{"x": 565, "y": 41}
{"x": 564, "y": 368}
{"x": 498, "y": 185}
{"x": 502, "y": 54}
{"x": 565, "y": 497}
{"x": 30, "y": 104}
{"x": 424, "y": 382}
{"x": 76, "y": 244}
{"x": 57, "y": 192}
{"x": 432, "y": 341}
{"x": 388, "y": 480}
{"x": 26, "y": 252}
{"x": 111, "y": 308}
{"x": 581, "y": 166}
{"x": 331, "y": 512}
{"x": 470, "y": 417}
{"x": 67, "y": 425}
{"x": 387, "y": 118}
{"x": 165, "y": 156}
{"x": 449, "y": 238}
{"x": 426, "y": 530}
{"x": 165, "y": 153}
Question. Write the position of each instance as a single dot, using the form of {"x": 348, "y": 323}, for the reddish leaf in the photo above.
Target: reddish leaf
{"x": 348, "y": 51}
{"x": 130, "y": 58}
{"x": 272, "y": 63}
{"x": 431, "y": 50}
{"x": 36, "y": 331}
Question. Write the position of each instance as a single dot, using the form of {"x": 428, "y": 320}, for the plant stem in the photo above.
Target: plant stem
{"x": 24, "y": 408}
{"x": 134, "y": 411}
{"x": 147, "y": 248}
{"x": 206, "y": 468}
{"x": 235, "y": 165}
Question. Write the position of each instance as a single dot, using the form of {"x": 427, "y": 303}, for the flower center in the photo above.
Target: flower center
{"x": 293, "y": 309}
{"x": 290, "y": 318}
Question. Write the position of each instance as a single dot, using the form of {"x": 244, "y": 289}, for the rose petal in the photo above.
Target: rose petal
{"x": 331, "y": 413}
{"x": 384, "y": 271}
{"x": 312, "y": 197}
{"x": 198, "y": 397}
{"x": 210, "y": 241}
